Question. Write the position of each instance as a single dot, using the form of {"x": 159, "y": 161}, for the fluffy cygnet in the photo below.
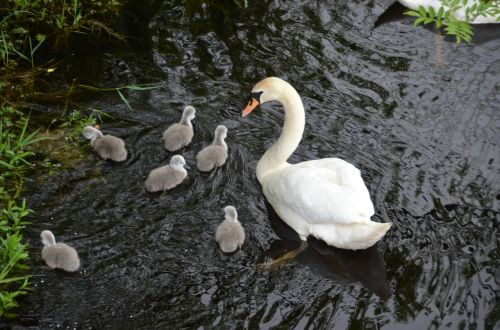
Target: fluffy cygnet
{"x": 230, "y": 235}
{"x": 215, "y": 154}
{"x": 58, "y": 255}
{"x": 180, "y": 135}
{"x": 106, "y": 146}
{"x": 167, "y": 177}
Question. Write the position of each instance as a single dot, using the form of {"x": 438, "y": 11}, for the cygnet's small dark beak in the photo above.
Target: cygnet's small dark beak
{"x": 186, "y": 166}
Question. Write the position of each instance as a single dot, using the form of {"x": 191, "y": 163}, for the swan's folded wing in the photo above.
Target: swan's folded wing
{"x": 321, "y": 193}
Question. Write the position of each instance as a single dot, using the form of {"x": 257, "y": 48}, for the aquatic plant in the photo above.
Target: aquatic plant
{"x": 444, "y": 16}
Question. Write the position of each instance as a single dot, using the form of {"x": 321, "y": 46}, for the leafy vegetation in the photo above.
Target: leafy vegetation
{"x": 14, "y": 156}
{"x": 32, "y": 29}
{"x": 35, "y": 35}
{"x": 445, "y": 16}
{"x": 14, "y": 141}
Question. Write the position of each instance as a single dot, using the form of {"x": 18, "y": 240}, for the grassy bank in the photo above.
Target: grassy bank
{"x": 35, "y": 36}
{"x": 14, "y": 162}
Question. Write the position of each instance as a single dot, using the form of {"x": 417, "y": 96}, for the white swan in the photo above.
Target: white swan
{"x": 459, "y": 14}
{"x": 326, "y": 198}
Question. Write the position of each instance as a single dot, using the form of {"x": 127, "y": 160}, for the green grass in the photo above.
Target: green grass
{"x": 35, "y": 36}
{"x": 14, "y": 162}
{"x": 30, "y": 28}
{"x": 14, "y": 153}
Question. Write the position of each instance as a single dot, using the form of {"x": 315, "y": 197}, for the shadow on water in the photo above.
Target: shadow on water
{"x": 339, "y": 265}
{"x": 416, "y": 114}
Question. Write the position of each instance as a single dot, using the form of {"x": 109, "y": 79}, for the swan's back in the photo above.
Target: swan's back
{"x": 326, "y": 198}
{"x": 61, "y": 256}
{"x": 110, "y": 147}
{"x": 210, "y": 157}
{"x": 177, "y": 136}
{"x": 326, "y": 190}
{"x": 230, "y": 236}
{"x": 164, "y": 178}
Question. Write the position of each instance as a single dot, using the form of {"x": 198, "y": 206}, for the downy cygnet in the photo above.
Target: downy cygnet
{"x": 214, "y": 155}
{"x": 168, "y": 176}
{"x": 180, "y": 134}
{"x": 106, "y": 146}
{"x": 58, "y": 255}
{"x": 230, "y": 235}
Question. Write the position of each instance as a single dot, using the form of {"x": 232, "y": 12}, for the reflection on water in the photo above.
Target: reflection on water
{"x": 424, "y": 135}
{"x": 341, "y": 266}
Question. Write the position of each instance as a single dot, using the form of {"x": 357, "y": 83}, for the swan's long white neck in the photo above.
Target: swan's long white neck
{"x": 293, "y": 127}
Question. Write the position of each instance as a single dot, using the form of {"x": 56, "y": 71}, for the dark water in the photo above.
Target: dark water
{"x": 417, "y": 114}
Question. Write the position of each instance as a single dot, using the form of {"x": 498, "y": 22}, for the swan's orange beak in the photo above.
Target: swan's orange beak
{"x": 250, "y": 107}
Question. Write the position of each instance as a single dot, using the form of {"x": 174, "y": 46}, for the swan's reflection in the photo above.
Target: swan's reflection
{"x": 364, "y": 266}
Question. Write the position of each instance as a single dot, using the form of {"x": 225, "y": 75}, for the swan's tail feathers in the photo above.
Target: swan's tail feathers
{"x": 356, "y": 236}
{"x": 90, "y": 133}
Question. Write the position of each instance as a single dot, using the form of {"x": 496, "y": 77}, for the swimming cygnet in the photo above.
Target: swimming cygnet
{"x": 230, "y": 235}
{"x": 180, "y": 135}
{"x": 167, "y": 177}
{"x": 106, "y": 146}
{"x": 58, "y": 255}
{"x": 215, "y": 154}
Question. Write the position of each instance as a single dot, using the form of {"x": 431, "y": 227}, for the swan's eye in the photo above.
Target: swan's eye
{"x": 256, "y": 96}
{"x": 254, "y": 103}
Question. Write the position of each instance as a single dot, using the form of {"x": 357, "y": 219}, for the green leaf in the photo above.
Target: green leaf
{"x": 440, "y": 12}
{"x": 419, "y": 20}
{"x": 422, "y": 11}
{"x": 412, "y": 13}
{"x": 40, "y": 37}
{"x": 124, "y": 99}
{"x": 142, "y": 88}
{"x": 431, "y": 11}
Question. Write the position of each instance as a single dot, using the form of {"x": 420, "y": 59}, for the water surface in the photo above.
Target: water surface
{"x": 417, "y": 114}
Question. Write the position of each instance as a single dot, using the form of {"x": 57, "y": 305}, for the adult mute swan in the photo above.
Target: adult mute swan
{"x": 325, "y": 198}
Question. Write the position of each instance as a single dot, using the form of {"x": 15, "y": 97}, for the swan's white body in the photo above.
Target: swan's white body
{"x": 459, "y": 14}
{"x": 326, "y": 198}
